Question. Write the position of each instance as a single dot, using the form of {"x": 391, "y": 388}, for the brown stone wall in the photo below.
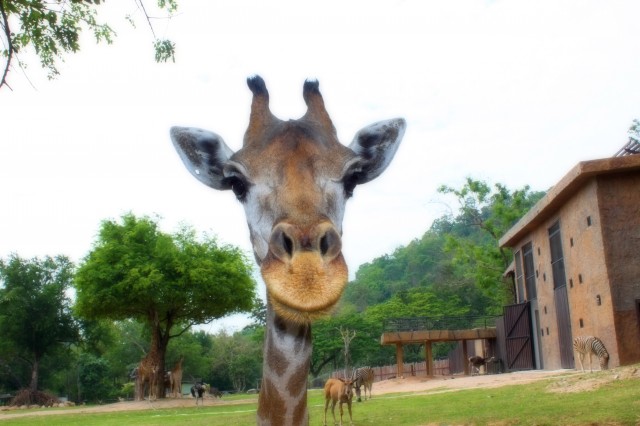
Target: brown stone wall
{"x": 619, "y": 196}
{"x": 586, "y": 275}
{"x": 586, "y": 269}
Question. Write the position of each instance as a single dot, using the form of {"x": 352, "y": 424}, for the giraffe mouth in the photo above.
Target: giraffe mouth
{"x": 306, "y": 287}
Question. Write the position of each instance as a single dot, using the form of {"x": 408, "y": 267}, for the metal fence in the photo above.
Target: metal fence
{"x": 385, "y": 372}
{"x": 439, "y": 323}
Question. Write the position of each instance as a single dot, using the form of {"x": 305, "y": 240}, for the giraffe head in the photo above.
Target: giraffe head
{"x": 293, "y": 179}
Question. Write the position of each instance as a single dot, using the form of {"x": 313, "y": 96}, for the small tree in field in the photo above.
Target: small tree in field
{"x": 35, "y": 311}
{"x": 168, "y": 282}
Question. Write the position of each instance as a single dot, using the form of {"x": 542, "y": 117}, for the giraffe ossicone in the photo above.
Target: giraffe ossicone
{"x": 293, "y": 178}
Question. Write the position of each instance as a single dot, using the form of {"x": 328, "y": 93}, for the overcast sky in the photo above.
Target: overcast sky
{"x": 504, "y": 91}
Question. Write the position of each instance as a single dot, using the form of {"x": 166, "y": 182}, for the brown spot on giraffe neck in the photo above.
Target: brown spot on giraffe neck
{"x": 271, "y": 405}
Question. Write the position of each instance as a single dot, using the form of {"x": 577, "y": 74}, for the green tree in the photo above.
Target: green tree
{"x": 93, "y": 378}
{"x": 236, "y": 360}
{"x": 634, "y": 130}
{"x": 53, "y": 27}
{"x": 485, "y": 215}
{"x": 35, "y": 311}
{"x": 169, "y": 282}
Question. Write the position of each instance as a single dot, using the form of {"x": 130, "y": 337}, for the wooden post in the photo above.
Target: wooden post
{"x": 428, "y": 357}
{"x": 465, "y": 355}
{"x": 399, "y": 361}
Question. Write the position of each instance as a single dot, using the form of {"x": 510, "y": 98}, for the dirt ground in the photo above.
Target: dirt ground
{"x": 562, "y": 381}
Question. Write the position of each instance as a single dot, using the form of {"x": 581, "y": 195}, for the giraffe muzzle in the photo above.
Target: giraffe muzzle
{"x": 305, "y": 271}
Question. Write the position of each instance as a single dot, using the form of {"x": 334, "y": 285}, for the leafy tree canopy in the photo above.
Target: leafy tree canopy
{"x": 53, "y": 28}
{"x": 634, "y": 130}
{"x": 35, "y": 311}
{"x": 484, "y": 216}
{"x": 455, "y": 267}
{"x": 136, "y": 271}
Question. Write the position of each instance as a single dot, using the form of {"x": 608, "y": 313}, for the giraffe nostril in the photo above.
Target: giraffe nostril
{"x": 282, "y": 243}
{"x": 287, "y": 243}
{"x": 330, "y": 244}
{"x": 287, "y": 240}
{"x": 324, "y": 245}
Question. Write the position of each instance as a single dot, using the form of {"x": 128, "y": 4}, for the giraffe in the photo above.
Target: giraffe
{"x": 293, "y": 179}
{"x": 147, "y": 373}
{"x": 176, "y": 379}
{"x": 151, "y": 371}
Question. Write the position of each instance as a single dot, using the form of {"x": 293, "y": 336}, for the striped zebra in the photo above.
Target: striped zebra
{"x": 362, "y": 376}
{"x": 592, "y": 346}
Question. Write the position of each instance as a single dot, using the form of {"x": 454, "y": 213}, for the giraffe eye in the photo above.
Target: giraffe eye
{"x": 238, "y": 186}
{"x": 349, "y": 183}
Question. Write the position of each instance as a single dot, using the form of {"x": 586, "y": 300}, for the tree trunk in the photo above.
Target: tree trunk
{"x": 33, "y": 384}
{"x": 159, "y": 343}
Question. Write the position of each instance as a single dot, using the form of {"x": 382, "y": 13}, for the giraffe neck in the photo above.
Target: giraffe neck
{"x": 287, "y": 356}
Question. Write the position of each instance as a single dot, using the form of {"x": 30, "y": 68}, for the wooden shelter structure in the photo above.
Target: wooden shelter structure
{"x": 422, "y": 330}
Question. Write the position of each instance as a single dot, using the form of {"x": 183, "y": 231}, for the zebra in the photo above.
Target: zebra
{"x": 591, "y": 345}
{"x": 362, "y": 376}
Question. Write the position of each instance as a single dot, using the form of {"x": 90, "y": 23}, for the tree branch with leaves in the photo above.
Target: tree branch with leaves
{"x": 493, "y": 210}
{"x": 52, "y": 28}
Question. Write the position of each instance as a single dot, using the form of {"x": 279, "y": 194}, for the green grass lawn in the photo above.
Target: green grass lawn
{"x": 615, "y": 403}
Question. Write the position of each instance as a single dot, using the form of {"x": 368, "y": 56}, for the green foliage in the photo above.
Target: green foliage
{"x": 195, "y": 347}
{"x": 456, "y": 266}
{"x": 129, "y": 342}
{"x": 634, "y": 130}
{"x": 236, "y": 361}
{"x": 484, "y": 216}
{"x": 53, "y": 28}
{"x": 93, "y": 379}
{"x": 35, "y": 313}
{"x": 165, "y": 50}
{"x": 135, "y": 271}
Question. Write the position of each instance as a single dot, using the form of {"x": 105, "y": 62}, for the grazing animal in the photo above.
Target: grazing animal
{"x": 293, "y": 179}
{"x": 592, "y": 346}
{"x": 475, "y": 362}
{"x": 362, "y": 376}
{"x": 215, "y": 392}
{"x": 197, "y": 391}
{"x": 175, "y": 379}
{"x": 338, "y": 390}
{"x": 146, "y": 376}
{"x": 167, "y": 382}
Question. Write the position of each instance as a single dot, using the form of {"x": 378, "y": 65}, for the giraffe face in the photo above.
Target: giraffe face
{"x": 293, "y": 179}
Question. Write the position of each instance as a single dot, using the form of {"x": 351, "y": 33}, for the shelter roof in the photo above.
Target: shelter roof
{"x": 558, "y": 195}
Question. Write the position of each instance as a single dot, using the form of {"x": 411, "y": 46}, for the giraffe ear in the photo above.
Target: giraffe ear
{"x": 375, "y": 146}
{"x": 204, "y": 154}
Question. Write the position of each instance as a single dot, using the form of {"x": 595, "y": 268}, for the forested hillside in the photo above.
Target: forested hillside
{"x": 456, "y": 264}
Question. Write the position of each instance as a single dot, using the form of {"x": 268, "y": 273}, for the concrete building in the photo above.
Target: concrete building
{"x": 577, "y": 262}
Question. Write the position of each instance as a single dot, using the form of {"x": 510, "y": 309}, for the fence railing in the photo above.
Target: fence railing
{"x": 439, "y": 323}
{"x": 440, "y": 368}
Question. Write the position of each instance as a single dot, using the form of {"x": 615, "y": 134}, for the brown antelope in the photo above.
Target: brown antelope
{"x": 293, "y": 179}
{"x": 338, "y": 391}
